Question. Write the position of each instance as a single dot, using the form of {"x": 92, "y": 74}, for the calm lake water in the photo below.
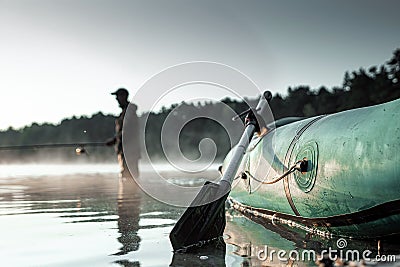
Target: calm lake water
{"x": 84, "y": 215}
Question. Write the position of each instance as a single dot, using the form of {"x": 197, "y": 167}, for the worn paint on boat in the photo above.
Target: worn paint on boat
{"x": 352, "y": 181}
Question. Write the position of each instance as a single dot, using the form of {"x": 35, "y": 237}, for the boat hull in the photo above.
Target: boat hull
{"x": 352, "y": 179}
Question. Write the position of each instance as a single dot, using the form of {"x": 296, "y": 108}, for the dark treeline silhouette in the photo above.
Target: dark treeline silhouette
{"x": 214, "y": 122}
{"x": 360, "y": 88}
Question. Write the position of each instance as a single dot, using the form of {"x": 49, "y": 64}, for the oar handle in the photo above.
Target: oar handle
{"x": 266, "y": 96}
{"x": 253, "y": 122}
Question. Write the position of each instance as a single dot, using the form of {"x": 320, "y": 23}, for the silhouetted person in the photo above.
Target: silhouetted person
{"x": 132, "y": 131}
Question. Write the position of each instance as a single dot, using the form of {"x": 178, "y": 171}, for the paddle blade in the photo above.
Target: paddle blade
{"x": 201, "y": 222}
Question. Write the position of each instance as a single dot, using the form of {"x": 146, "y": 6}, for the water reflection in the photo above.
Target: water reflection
{"x": 84, "y": 220}
{"x": 98, "y": 220}
{"x": 259, "y": 243}
{"x": 212, "y": 254}
{"x": 128, "y": 208}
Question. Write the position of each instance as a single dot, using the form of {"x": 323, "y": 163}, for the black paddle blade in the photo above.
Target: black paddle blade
{"x": 201, "y": 222}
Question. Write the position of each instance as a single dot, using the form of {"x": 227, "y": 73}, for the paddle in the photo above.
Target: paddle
{"x": 204, "y": 219}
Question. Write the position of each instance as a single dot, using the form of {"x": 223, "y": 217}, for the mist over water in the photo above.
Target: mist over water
{"x": 49, "y": 169}
{"x": 36, "y": 170}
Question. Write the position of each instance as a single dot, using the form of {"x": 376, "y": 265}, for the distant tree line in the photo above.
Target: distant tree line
{"x": 360, "y": 88}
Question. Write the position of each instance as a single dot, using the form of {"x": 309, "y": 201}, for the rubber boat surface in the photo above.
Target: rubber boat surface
{"x": 350, "y": 184}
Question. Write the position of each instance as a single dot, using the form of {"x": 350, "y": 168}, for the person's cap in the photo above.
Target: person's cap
{"x": 121, "y": 91}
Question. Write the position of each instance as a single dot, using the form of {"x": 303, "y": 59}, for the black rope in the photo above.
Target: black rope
{"x": 289, "y": 171}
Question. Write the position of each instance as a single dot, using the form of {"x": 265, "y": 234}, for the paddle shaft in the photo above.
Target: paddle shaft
{"x": 204, "y": 220}
{"x": 240, "y": 150}
{"x": 252, "y": 124}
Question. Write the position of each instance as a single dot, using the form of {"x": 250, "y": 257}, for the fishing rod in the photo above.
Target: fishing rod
{"x": 79, "y": 147}
{"x": 56, "y": 145}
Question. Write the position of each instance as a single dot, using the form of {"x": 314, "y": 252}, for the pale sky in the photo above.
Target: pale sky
{"x": 60, "y": 58}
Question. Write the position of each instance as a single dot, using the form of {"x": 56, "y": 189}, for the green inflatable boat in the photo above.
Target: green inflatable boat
{"x": 335, "y": 174}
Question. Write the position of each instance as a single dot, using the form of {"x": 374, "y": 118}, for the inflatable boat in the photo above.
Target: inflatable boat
{"x": 333, "y": 175}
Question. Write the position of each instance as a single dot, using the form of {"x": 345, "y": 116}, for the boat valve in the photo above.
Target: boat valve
{"x": 302, "y": 165}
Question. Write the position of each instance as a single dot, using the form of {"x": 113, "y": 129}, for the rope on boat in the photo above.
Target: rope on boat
{"x": 248, "y": 210}
{"x": 296, "y": 166}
